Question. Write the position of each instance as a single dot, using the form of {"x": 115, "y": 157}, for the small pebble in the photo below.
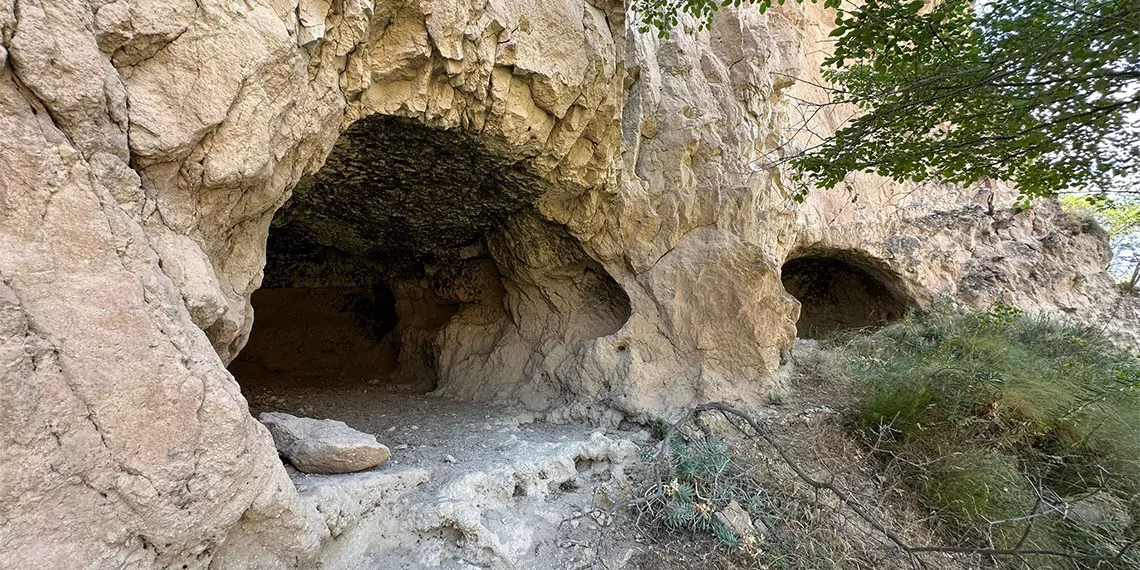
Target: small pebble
{"x": 449, "y": 459}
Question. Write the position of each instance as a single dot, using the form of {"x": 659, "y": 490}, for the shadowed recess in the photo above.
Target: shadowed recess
{"x": 397, "y": 191}
{"x": 840, "y": 290}
{"x": 404, "y": 229}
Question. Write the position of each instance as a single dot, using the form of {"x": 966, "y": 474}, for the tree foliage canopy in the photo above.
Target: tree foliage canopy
{"x": 1042, "y": 93}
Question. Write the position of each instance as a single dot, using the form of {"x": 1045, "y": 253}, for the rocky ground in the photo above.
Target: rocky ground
{"x": 477, "y": 486}
{"x": 467, "y": 486}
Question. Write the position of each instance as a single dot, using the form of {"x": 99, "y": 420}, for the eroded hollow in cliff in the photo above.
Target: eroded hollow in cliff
{"x": 404, "y": 251}
{"x": 840, "y": 290}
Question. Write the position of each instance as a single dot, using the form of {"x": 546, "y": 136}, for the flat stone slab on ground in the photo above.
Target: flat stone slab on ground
{"x": 323, "y": 446}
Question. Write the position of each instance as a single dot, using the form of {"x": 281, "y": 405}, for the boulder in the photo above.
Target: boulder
{"x": 324, "y": 446}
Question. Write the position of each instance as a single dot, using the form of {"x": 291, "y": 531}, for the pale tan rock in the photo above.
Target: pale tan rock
{"x": 148, "y": 146}
{"x": 323, "y": 446}
{"x": 736, "y": 519}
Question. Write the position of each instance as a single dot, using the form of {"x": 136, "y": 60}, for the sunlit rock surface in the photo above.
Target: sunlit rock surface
{"x": 526, "y": 203}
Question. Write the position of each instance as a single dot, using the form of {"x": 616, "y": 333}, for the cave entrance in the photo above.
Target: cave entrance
{"x": 369, "y": 259}
{"x": 842, "y": 290}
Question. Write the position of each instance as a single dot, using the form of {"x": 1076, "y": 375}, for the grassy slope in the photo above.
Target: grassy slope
{"x": 987, "y": 413}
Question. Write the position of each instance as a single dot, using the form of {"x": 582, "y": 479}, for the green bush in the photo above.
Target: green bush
{"x": 694, "y": 481}
{"x": 986, "y": 413}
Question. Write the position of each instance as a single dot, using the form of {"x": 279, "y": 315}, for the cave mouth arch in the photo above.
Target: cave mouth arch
{"x": 842, "y": 290}
{"x": 405, "y": 231}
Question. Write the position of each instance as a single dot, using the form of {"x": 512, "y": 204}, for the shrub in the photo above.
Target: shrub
{"x": 694, "y": 481}
{"x": 998, "y": 416}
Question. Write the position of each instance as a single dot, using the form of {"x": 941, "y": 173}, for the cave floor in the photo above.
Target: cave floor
{"x": 468, "y": 484}
{"x": 478, "y": 486}
{"x": 420, "y": 430}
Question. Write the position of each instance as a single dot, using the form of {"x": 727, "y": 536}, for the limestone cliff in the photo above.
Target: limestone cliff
{"x": 535, "y": 204}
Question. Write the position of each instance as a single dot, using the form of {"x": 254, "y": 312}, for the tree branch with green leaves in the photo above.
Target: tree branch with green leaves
{"x": 1041, "y": 93}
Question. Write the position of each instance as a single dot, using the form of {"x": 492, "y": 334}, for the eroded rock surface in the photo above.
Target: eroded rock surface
{"x": 323, "y": 446}
{"x": 612, "y": 252}
{"x": 515, "y": 494}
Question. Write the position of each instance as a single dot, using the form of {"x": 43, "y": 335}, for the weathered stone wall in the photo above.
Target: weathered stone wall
{"x": 147, "y": 146}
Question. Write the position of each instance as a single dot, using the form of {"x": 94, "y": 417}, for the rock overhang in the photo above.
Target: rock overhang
{"x": 395, "y": 189}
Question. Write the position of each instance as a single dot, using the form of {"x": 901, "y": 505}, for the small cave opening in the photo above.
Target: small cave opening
{"x": 404, "y": 231}
{"x": 840, "y": 290}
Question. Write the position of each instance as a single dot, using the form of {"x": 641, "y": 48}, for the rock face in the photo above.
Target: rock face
{"x": 323, "y": 446}
{"x": 521, "y": 201}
